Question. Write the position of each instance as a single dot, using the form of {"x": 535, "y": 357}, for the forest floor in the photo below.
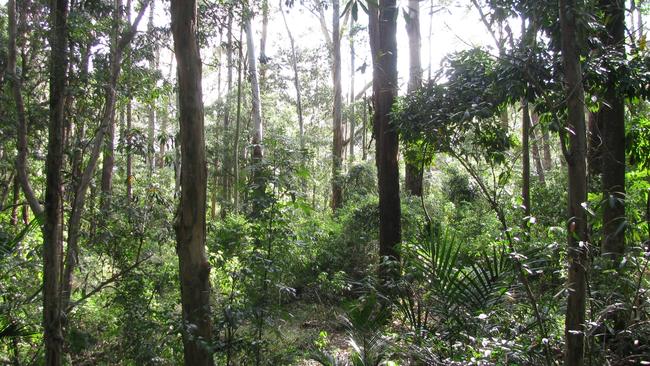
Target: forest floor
{"x": 303, "y": 324}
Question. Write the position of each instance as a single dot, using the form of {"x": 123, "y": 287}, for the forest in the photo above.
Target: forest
{"x": 324, "y": 182}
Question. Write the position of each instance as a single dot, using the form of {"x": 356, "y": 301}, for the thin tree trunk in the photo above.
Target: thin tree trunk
{"x": 227, "y": 161}
{"x": 53, "y": 229}
{"x": 238, "y": 122}
{"x": 151, "y": 117}
{"x": 612, "y": 115}
{"x": 413, "y": 172}
{"x": 547, "y": 162}
{"x": 262, "y": 58}
{"x": 575, "y": 157}
{"x": 129, "y": 155}
{"x": 191, "y": 216}
{"x": 384, "y": 43}
{"x": 108, "y": 116}
{"x": 364, "y": 148}
{"x": 108, "y": 161}
{"x": 296, "y": 80}
{"x": 352, "y": 73}
{"x": 337, "y": 133}
{"x": 22, "y": 168}
{"x": 16, "y": 198}
{"x": 525, "y": 156}
{"x": 539, "y": 168}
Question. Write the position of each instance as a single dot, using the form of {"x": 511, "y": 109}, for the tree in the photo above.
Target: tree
{"x": 612, "y": 119}
{"x": 383, "y": 44}
{"x": 296, "y": 80}
{"x": 413, "y": 173}
{"x": 337, "y": 131}
{"x": 258, "y": 135}
{"x": 191, "y": 215}
{"x": 575, "y": 156}
{"x": 53, "y": 229}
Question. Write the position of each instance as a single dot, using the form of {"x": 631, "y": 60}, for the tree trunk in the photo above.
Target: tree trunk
{"x": 53, "y": 230}
{"x": 576, "y": 162}
{"x": 22, "y": 168}
{"x": 612, "y": 115}
{"x": 594, "y": 144}
{"x": 191, "y": 216}
{"x": 257, "y": 138}
{"x": 546, "y": 146}
{"x": 108, "y": 117}
{"x": 227, "y": 165}
{"x": 296, "y": 80}
{"x": 384, "y": 45}
{"x": 108, "y": 161}
{"x": 265, "y": 26}
{"x": 151, "y": 117}
{"x": 337, "y": 132}
{"x": 537, "y": 158}
{"x": 235, "y": 151}
{"x": 525, "y": 157}
{"x": 352, "y": 72}
{"x": 129, "y": 155}
{"x": 413, "y": 171}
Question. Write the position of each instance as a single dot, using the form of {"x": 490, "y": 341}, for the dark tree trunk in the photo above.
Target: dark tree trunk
{"x": 384, "y": 46}
{"x": 612, "y": 116}
{"x": 413, "y": 169}
{"x": 576, "y": 162}
{"x": 53, "y": 230}
{"x": 594, "y": 145}
{"x": 337, "y": 131}
{"x": 191, "y": 216}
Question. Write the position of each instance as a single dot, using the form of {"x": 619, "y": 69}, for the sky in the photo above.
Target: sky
{"x": 453, "y": 27}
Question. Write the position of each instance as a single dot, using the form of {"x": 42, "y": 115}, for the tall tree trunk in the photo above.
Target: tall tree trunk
{"x": 108, "y": 161}
{"x": 525, "y": 157}
{"x": 257, "y": 138}
{"x": 612, "y": 115}
{"x": 151, "y": 117}
{"x": 227, "y": 161}
{"x": 384, "y": 43}
{"x": 235, "y": 151}
{"x": 352, "y": 73}
{"x": 53, "y": 229}
{"x": 537, "y": 158}
{"x": 108, "y": 117}
{"x": 337, "y": 133}
{"x": 263, "y": 58}
{"x": 413, "y": 171}
{"x": 576, "y": 160}
{"x": 16, "y": 198}
{"x": 22, "y": 168}
{"x": 129, "y": 154}
{"x": 546, "y": 147}
{"x": 191, "y": 216}
{"x": 364, "y": 129}
{"x": 296, "y": 80}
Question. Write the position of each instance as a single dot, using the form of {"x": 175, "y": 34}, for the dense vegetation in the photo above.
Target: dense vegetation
{"x": 175, "y": 190}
